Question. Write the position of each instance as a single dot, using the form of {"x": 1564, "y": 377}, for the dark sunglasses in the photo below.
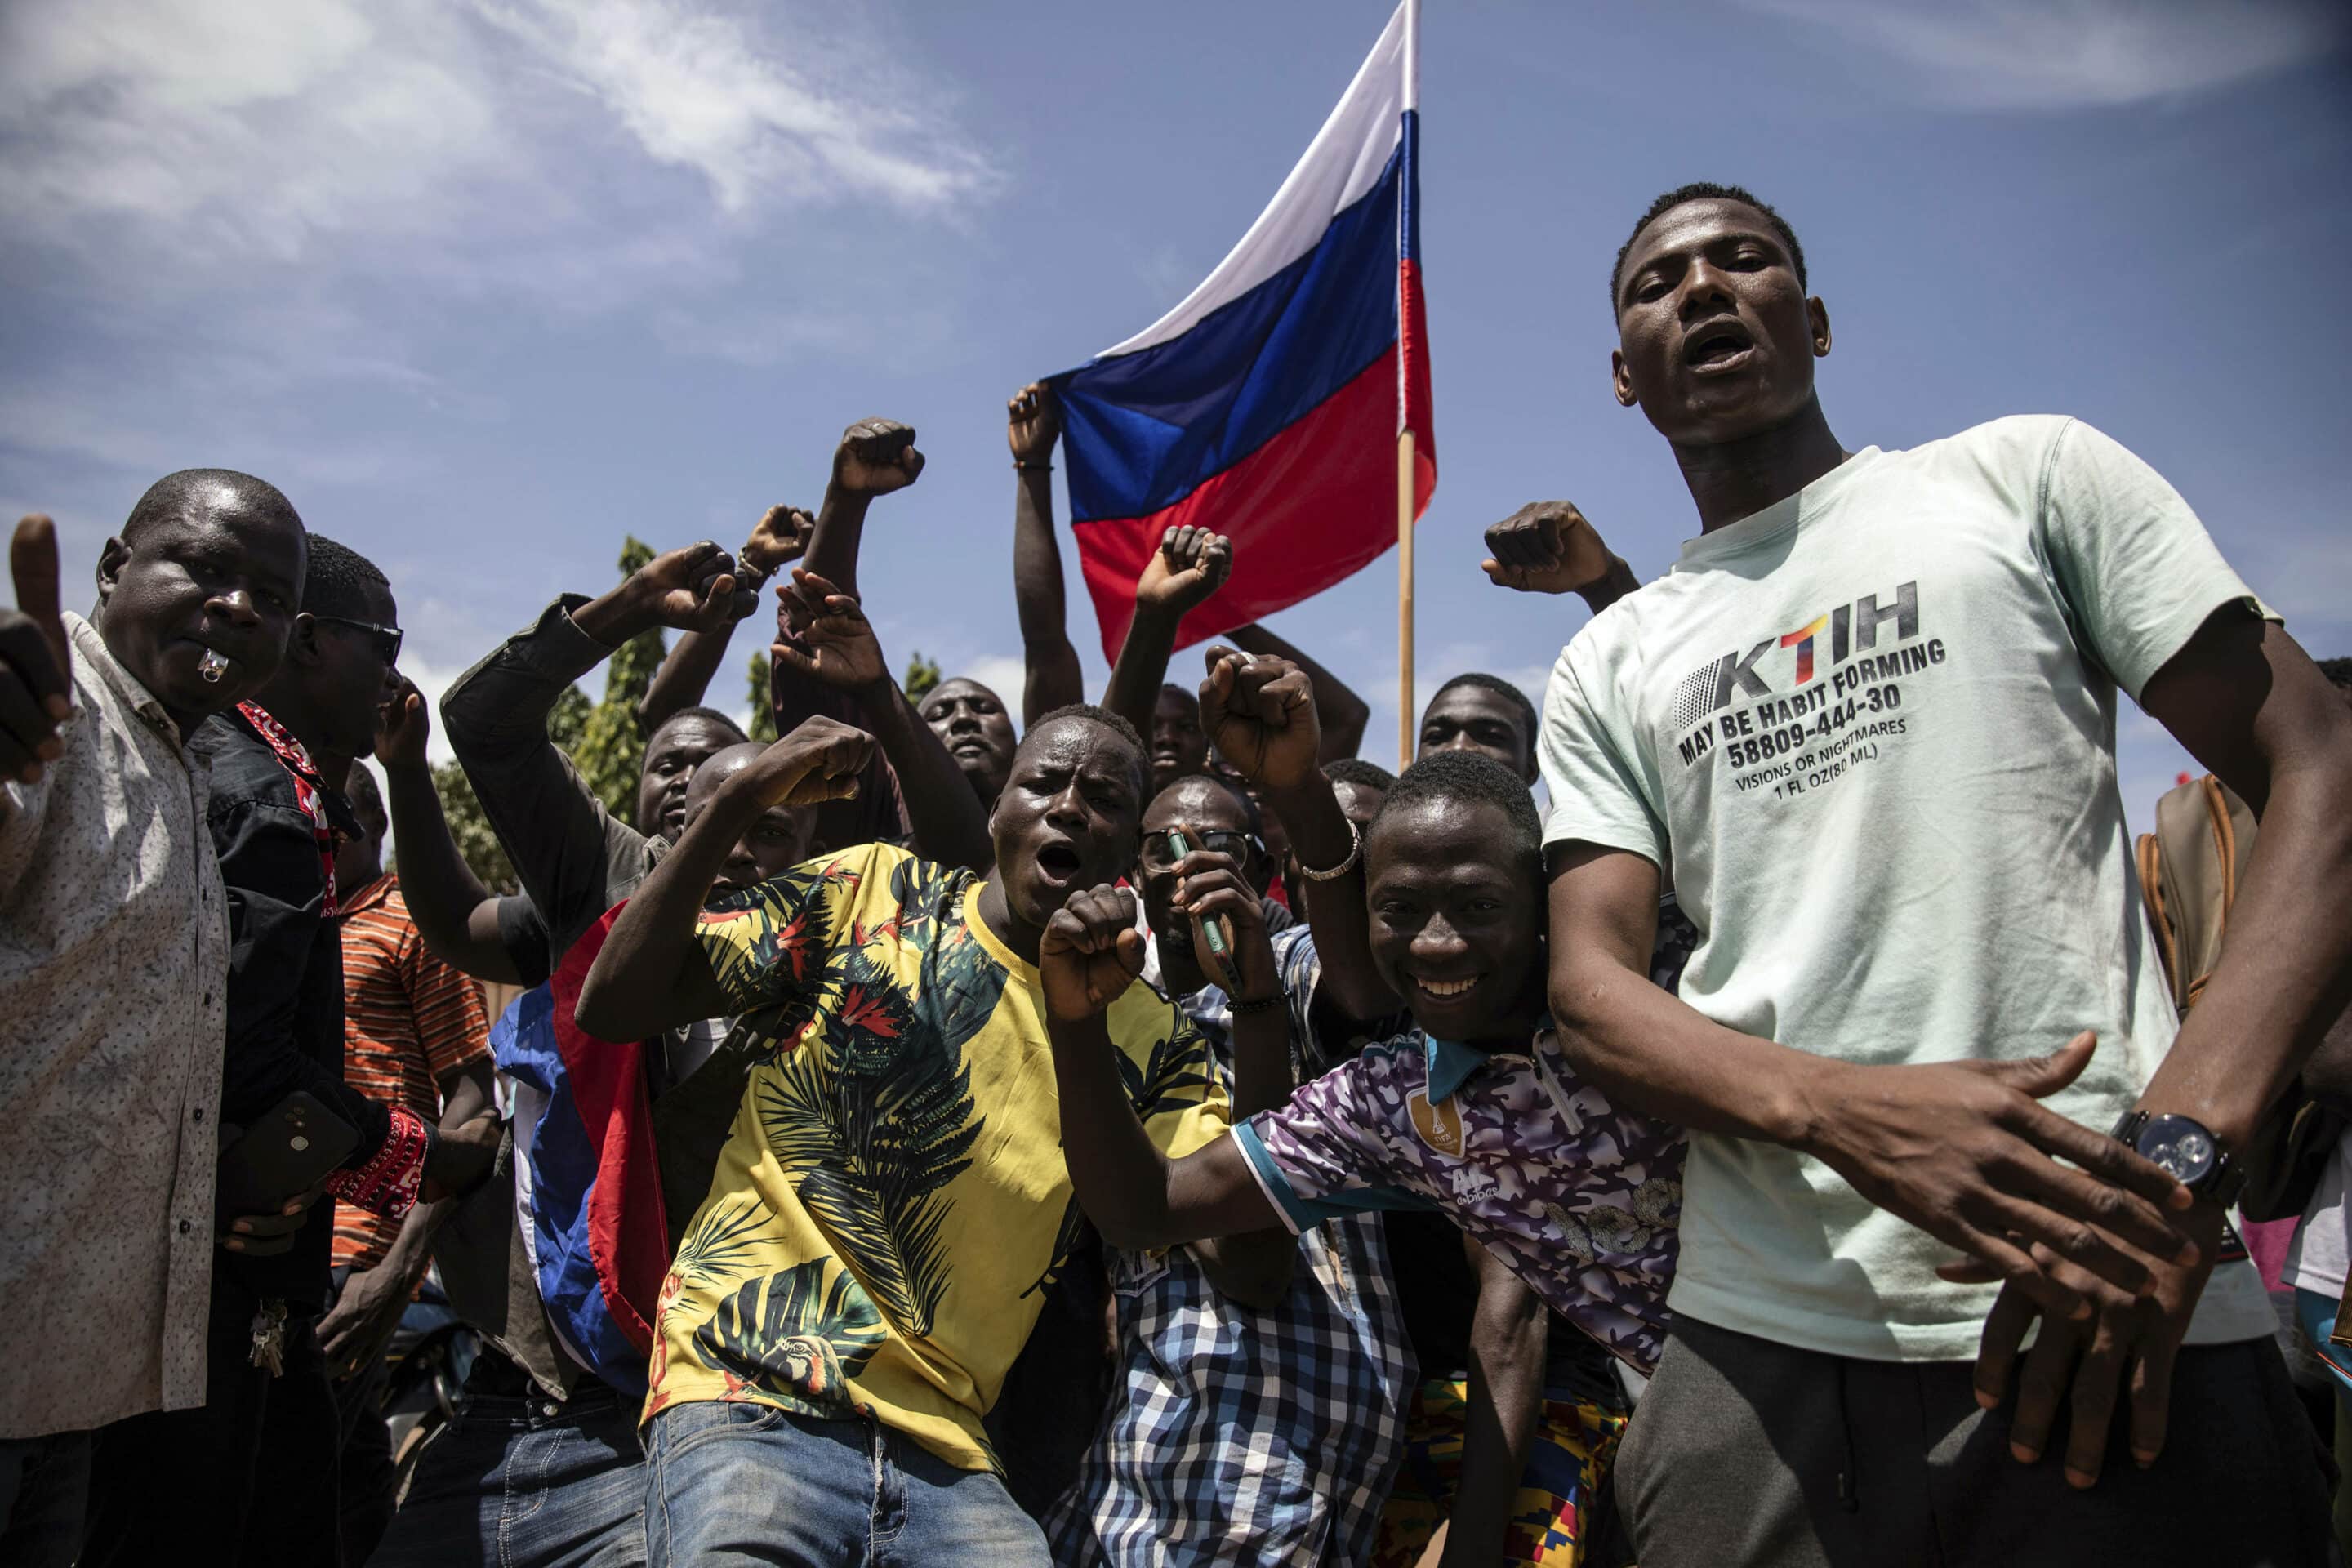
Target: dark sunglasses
{"x": 1158, "y": 857}
{"x": 387, "y": 638}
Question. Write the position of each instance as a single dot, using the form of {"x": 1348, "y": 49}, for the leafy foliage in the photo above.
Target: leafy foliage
{"x": 763, "y": 702}
{"x": 923, "y": 674}
{"x": 802, "y": 1342}
{"x": 612, "y": 749}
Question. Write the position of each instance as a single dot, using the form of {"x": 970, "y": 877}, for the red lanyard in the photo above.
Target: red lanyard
{"x": 309, "y": 788}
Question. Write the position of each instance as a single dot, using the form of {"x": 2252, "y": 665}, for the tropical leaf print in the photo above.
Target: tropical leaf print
{"x": 784, "y": 1336}
{"x": 723, "y": 1241}
{"x": 791, "y": 919}
{"x": 1176, "y": 1074}
{"x": 872, "y": 1130}
{"x": 924, "y": 894}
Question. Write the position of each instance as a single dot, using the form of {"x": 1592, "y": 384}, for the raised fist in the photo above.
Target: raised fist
{"x": 35, "y": 655}
{"x": 1189, "y": 565}
{"x": 1546, "y": 547}
{"x": 779, "y": 538}
{"x": 1090, "y": 953}
{"x": 697, "y": 589}
{"x": 1033, "y": 423}
{"x": 1259, "y": 711}
{"x": 819, "y": 761}
{"x": 832, "y": 639}
{"x": 876, "y": 456}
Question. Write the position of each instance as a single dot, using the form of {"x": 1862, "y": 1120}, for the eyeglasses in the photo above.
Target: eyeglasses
{"x": 387, "y": 638}
{"x": 1158, "y": 857}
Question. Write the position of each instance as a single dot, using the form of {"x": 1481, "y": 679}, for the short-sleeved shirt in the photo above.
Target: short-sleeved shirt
{"x": 892, "y": 1201}
{"x": 114, "y": 949}
{"x": 409, "y": 1020}
{"x": 1872, "y": 729}
{"x": 1577, "y": 1198}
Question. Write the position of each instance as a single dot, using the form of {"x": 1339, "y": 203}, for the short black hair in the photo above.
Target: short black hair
{"x": 709, "y": 716}
{"x": 1469, "y": 777}
{"x": 1170, "y": 688}
{"x": 1231, "y": 787}
{"x": 2338, "y": 670}
{"x": 1496, "y": 683}
{"x": 175, "y": 493}
{"x": 1705, "y": 191}
{"x": 365, "y": 797}
{"x": 339, "y": 580}
{"x": 1093, "y": 713}
{"x": 1361, "y": 774}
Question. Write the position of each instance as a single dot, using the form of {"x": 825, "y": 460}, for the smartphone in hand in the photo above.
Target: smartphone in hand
{"x": 294, "y": 1144}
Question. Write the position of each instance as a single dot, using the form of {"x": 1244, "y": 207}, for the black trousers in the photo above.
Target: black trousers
{"x": 1747, "y": 1452}
{"x": 247, "y": 1478}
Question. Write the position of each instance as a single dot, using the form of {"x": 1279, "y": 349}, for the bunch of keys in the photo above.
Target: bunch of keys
{"x": 268, "y": 1333}
{"x": 213, "y": 666}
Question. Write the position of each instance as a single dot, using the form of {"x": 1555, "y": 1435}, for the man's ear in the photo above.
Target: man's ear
{"x": 1621, "y": 379}
{"x": 302, "y": 642}
{"x": 111, "y": 561}
{"x": 1817, "y": 316}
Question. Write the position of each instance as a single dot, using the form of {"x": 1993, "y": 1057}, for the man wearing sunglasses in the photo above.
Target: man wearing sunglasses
{"x": 1257, "y": 1410}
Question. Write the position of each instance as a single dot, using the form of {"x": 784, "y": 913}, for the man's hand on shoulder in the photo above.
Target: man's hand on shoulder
{"x": 34, "y": 655}
{"x": 1259, "y": 712}
{"x": 1189, "y": 565}
{"x": 1547, "y": 547}
{"x": 876, "y": 456}
{"x": 1090, "y": 953}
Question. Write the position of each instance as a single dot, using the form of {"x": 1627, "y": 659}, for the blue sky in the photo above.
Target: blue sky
{"x": 484, "y": 285}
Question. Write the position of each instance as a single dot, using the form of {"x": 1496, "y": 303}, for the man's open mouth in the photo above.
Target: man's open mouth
{"x": 1718, "y": 346}
{"x": 1060, "y": 862}
{"x": 1445, "y": 990}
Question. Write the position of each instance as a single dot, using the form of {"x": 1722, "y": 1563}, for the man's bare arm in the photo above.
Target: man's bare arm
{"x": 1510, "y": 1331}
{"x": 1189, "y": 565}
{"x": 1052, "y": 678}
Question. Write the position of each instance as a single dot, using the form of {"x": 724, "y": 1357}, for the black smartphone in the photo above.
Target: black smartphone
{"x": 295, "y": 1142}
{"x": 1218, "y": 932}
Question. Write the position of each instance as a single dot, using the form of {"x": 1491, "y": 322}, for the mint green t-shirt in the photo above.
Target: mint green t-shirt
{"x": 1871, "y": 730}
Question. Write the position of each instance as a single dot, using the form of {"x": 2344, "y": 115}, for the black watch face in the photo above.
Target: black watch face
{"x": 2183, "y": 1147}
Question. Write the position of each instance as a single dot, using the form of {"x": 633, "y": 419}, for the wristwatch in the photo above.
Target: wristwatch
{"x": 2187, "y": 1150}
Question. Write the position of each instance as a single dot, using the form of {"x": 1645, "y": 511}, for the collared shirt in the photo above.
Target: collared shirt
{"x": 1578, "y": 1198}
{"x": 113, "y": 979}
{"x": 409, "y": 1021}
{"x": 1236, "y": 1436}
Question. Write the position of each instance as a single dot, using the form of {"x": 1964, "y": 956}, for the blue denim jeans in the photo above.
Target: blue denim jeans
{"x": 526, "y": 1483}
{"x": 746, "y": 1483}
{"x": 44, "y": 1487}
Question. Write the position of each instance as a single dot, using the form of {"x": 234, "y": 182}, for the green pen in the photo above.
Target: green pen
{"x": 1217, "y": 931}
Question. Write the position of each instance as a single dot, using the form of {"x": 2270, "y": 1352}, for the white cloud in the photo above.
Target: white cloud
{"x": 2066, "y": 54}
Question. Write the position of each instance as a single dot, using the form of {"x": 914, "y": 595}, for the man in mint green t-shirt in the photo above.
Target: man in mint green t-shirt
{"x": 1866, "y": 725}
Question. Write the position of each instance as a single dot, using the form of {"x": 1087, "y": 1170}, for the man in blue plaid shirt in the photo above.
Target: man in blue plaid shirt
{"x": 1258, "y": 1413}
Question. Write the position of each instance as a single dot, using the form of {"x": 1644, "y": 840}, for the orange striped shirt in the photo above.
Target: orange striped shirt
{"x": 408, "y": 1018}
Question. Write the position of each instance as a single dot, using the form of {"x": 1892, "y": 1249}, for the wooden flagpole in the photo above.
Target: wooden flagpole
{"x": 1405, "y": 717}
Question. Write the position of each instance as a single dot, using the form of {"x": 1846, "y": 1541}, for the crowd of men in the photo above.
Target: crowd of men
{"x": 1154, "y": 1135}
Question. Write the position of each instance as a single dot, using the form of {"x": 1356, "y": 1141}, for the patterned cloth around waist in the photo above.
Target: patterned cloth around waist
{"x": 1550, "y": 1525}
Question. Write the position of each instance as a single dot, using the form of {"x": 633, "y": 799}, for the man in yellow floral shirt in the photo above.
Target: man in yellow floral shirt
{"x": 892, "y": 1199}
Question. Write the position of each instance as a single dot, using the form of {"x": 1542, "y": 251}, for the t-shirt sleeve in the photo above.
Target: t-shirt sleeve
{"x": 1170, "y": 1080}
{"x": 1325, "y": 1151}
{"x": 2134, "y": 565}
{"x": 1591, "y": 755}
{"x": 452, "y": 1025}
{"x": 768, "y": 944}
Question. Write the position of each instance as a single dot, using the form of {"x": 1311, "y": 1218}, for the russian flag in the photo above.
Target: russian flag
{"x": 598, "y": 1236}
{"x": 1267, "y": 405}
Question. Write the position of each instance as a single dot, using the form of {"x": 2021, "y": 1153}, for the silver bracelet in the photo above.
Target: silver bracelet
{"x": 1355, "y": 853}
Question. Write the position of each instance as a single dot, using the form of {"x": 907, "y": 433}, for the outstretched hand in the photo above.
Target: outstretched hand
{"x": 1033, "y": 419}
{"x": 832, "y": 640}
{"x": 1546, "y": 547}
{"x": 35, "y": 655}
{"x": 819, "y": 761}
{"x": 876, "y": 456}
{"x": 697, "y": 589}
{"x": 403, "y": 727}
{"x": 1259, "y": 712}
{"x": 1090, "y": 953}
{"x": 779, "y": 538}
{"x": 1189, "y": 565}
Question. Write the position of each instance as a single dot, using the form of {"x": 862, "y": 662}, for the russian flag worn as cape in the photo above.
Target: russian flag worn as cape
{"x": 597, "y": 1232}
{"x": 1267, "y": 405}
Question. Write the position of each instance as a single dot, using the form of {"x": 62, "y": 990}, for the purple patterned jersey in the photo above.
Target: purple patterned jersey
{"x": 1579, "y": 1198}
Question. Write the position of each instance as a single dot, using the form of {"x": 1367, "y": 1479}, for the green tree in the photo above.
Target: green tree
{"x": 763, "y": 704}
{"x": 471, "y": 829}
{"x": 923, "y": 674}
{"x": 612, "y": 749}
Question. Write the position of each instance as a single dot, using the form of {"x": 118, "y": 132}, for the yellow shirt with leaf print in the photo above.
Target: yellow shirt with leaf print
{"x": 891, "y": 1201}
